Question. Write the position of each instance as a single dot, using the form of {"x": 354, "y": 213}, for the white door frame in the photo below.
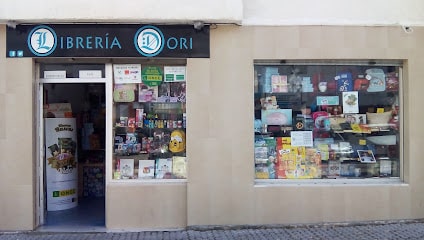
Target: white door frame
{"x": 40, "y": 165}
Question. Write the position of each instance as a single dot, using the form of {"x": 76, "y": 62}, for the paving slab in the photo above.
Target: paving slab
{"x": 406, "y": 229}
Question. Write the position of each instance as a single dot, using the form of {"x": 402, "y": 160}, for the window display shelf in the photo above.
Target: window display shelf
{"x": 372, "y": 130}
{"x": 326, "y": 182}
{"x": 175, "y": 181}
{"x": 322, "y": 121}
{"x": 149, "y": 129}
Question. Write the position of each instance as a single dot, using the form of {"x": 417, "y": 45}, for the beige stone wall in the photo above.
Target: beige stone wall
{"x": 220, "y": 188}
{"x": 220, "y": 138}
{"x": 17, "y": 141}
{"x": 146, "y": 206}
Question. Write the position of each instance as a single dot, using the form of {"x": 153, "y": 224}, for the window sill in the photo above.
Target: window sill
{"x": 149, "y": 182}
{"x": 328, "y": 182}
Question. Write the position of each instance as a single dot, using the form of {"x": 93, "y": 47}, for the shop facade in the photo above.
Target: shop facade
{"x": 222, "y": 186}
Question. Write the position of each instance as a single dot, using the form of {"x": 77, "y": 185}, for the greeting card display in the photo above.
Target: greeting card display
{"x": 127, "y": 168}
{"x": 146, "y": 169}
{"x": 179, "y": 166}
{"x": 350, "y": 102}
{"x": 163, "y": 168}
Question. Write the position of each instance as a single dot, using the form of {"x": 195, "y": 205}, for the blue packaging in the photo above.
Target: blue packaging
{"x": 344, "y": 82}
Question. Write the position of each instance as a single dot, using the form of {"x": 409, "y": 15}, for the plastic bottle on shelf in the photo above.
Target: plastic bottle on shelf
{"x": 156, "y": 121}
{"x": 184, "y": 120}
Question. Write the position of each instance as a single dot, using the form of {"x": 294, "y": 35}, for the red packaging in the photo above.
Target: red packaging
{"x": 361, "y": 84}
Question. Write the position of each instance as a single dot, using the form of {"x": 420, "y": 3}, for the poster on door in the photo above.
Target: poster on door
{"x": 61, "y": 163}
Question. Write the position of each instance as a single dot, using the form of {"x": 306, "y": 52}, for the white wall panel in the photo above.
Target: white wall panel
{"x": 139, "y": 11}
{"x": 247, "y": 12}
{"x": 333, "y": 12}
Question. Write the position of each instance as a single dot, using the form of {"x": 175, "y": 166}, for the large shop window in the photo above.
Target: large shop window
{"x": 149, "y": 122}
{"x": 327, "y": 120}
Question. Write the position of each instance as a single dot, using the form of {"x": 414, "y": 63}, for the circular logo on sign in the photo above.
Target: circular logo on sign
{"x": 149, "y": 41}
{"x": 42, "y": 41}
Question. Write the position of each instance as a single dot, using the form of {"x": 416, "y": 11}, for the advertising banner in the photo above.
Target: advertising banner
{"x": 61, "y": 163}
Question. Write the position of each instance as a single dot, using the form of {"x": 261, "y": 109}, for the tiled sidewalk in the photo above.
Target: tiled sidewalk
{"x": 373, "y": 230}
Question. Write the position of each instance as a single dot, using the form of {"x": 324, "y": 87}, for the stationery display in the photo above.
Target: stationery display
{"x": 328, "y": 124}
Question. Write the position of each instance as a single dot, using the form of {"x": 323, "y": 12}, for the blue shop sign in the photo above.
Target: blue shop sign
{"x": 107, "y": 40}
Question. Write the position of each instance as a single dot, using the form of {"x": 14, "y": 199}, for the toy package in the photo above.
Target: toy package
{"x": 377, "y": 80}
{"x": 295, "y": 81}
{"x": 344, "y": 82}
{"x": 361, "y": 84}
{"x": 392, "y": 81}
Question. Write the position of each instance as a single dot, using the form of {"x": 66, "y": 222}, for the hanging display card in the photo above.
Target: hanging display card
{"x": 55, "y": 74}
{"x": 90, "y": 74}
{"x": 350, "y": 102}
{"x": 175, "y": 73}
{"x": 301, "y": 138}
{"x": 127, "y": 73}
{"x": 152, "y": 76}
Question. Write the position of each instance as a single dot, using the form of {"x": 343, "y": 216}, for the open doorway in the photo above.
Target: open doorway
{"x": 80, "y": 205}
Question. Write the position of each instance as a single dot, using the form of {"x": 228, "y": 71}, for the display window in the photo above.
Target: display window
{"x": 327, "y": 119}
{"x": 149, "y": 109}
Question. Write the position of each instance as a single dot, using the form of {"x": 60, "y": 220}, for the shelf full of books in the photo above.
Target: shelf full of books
{"x": 149, "y": 122}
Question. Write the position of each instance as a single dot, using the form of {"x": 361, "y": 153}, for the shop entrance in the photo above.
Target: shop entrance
{"x": 72, "y": 186}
